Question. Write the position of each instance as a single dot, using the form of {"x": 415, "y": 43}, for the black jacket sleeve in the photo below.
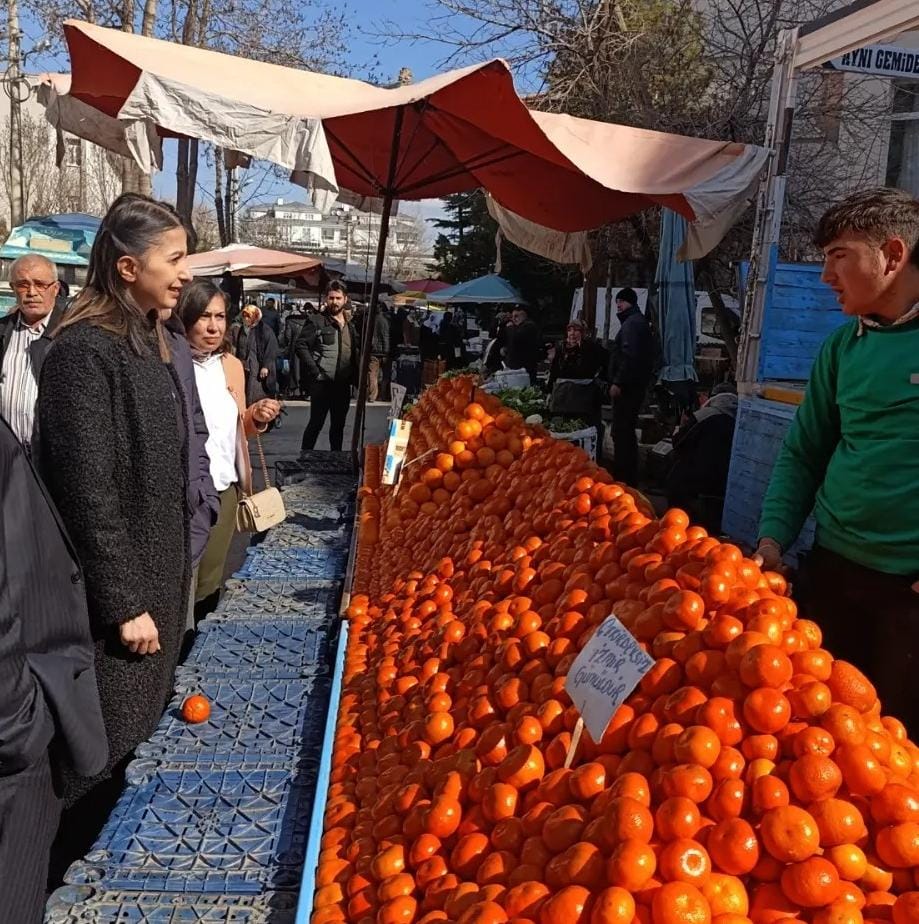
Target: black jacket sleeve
{"x": 26, "y": 727}
{"x": 306, "y": 341}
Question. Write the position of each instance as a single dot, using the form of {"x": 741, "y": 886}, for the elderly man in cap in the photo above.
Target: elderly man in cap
{"x": 25, "y": 338}
{"x": 630, "y": 371}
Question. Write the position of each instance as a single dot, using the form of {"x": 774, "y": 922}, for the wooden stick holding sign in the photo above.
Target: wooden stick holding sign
{"x": 575, "y": 741}
{"x": 602, "y": 677}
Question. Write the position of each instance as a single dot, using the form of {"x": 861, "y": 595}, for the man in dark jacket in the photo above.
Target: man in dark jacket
{"x": 329, "y": 351}
{"x": 630, "y": 371}
{"x": 295, "y": 321}
{"x": 49, "y": 702}
{"x": 522, "y": 346}
{"x": 379, "y": 353}
{"x": 25, "y": 338}
{"x": 272, "y": 317}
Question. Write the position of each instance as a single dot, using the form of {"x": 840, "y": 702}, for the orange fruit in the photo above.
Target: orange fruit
{"x": 684, "y": 860}
{"x": 196, "y": 709}
{"x": 613, "y": 905}
{"x": 906, "y": 908}
{"x": 898, "y": 845}
{"x": 811, "y": 883}
{"x": 814, "y": 777}
{"x": 680, "y": 903}
{"x": 631, "y": 865}
{"x": 790, "y": 834}
{"x": 726, "y": 895}
{"x": 766, "y": 710}
{"x": 765, "y": 666}
{"x": 733, "y": 846}
{"x": 851, "y": 687}
{"x": 567, "y": 906}
{"x": 839, "y": 822}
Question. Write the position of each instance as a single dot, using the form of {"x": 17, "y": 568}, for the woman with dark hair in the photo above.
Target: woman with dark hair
{"x": 114, "y": 449}
{"x": 222, "y": 389}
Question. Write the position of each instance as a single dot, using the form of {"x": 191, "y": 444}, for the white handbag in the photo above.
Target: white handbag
{"x": 263, "y": 509}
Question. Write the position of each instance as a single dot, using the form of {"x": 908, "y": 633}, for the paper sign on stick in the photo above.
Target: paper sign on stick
{"x": 398, "y": 393}
{"x": 396, "y": 449}
{"x": 605, "y": 673}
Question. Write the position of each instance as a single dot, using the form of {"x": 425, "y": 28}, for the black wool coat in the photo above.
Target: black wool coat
{"x": 115, "y": 458}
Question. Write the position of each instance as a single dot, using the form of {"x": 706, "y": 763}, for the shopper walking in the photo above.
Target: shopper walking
{"x": 114, "y": 449}
{"x": 256, "y": 347}
{"x": 329, "y": 351}
{"x": 630, "y": 372}
{"x": 521, "y": 343}
{"x": 50, "y": 716}
{"x": 221, "y": 386}
{"x": 379, "y": 348}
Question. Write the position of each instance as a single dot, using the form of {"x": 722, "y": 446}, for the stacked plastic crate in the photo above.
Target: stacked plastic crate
{"x": 214, "y": 821}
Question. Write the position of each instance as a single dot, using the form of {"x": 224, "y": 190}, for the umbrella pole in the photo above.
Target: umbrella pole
{"x": 357, "y": 436}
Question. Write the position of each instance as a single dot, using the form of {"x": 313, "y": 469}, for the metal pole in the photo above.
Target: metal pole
{"x": 769, "y": 209}
{"x": 357, "y": 436}
{"x": 17, "y": 197}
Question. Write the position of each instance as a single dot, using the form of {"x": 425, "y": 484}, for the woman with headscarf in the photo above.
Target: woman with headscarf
{"x": 256, "y": 347}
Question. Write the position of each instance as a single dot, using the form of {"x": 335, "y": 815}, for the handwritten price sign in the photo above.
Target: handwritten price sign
{"x": 603, "y": 675}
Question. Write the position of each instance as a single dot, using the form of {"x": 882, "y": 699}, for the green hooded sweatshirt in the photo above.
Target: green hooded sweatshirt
{"x": 852, "y": 452}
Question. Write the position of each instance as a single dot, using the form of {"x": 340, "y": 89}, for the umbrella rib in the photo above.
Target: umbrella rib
{"x": 479, "y": 164}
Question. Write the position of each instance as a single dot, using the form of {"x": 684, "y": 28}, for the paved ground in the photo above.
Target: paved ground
{"x": 284, "y": 443}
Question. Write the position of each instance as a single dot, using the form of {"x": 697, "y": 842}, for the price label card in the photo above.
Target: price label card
{"x": 398, "y": 393}
{"x": 396, "y": 448}
{"x": 603, "y": 675}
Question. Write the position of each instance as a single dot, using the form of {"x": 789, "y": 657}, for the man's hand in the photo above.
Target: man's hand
{"x": 140, "y": 635}
{"x": 916, "y": 588}
{"x": 615, "y": 392}
{"x": 266, "y": 410}
{"x": 768, "y": 555}
{"x": 263, "y": 373}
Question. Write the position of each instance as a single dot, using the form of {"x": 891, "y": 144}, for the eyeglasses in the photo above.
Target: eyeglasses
{"x": 27, "y": 284}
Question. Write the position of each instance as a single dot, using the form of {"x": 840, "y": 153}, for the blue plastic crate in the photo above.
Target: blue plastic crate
{"x": 291, "y": 535}
{"x": 313, "y": 600}
{"x": 247, "y": 649}
{"x": 293, "y": 564}
{"x": 199, "y": 829}
{"x": 279, "y": 719}
{"x": 314, "y": 462}
{"x": 84, "y": 904}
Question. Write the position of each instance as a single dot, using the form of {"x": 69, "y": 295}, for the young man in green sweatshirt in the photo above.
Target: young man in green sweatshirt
{"x": 852, "y": 453}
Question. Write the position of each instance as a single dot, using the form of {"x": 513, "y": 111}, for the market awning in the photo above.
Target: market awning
{"x": 254, "y": 263}
{"x": 485, "y": 290}
{"x": 458, "y": 131}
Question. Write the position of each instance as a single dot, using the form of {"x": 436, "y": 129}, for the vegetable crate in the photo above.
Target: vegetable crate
{"x": 270, "y": 718}
{"x": 296, "y": 534}
{"x": 585, "y": 439}
{"x": 287, "y": 564}
{"x": 255, "y": 599}
{"x": 87, "y": 903}
{"x": 249, "y": 649}
{"x": 238, "y": 828}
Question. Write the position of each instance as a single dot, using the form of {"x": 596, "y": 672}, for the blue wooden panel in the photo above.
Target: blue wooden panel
{"x": 800, "y": 313}
{"x": 761, "y": 428}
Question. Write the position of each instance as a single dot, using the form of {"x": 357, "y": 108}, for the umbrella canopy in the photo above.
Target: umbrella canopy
{"x": 425, "y": 286}
{"x": 458, "y": 131}
{"x": 676, "y": 294}
{"x": 64, "y": 239}
{"x": 254, "y": 262}
{"x": 486, "y": 290}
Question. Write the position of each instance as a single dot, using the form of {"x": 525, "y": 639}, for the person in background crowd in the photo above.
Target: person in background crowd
{"x": 521, "y": 343}
{"x": 50, "y": 715}
{"x": 221, "y": 384}
{"x": 379, "y": 347}
{"x": 428, "y": 347}
{"x": 113, "y": 444}
{"x": 494, "y": 352}
{"x": 630, "y": 372}
{"x": 256, "y": 347}
{"x": 698, "y": 477}
{"x": 575, "y": 388}
{"x": 25, "y": 338}
{"x": 271, "y": 317}
{"x": 295, "y": 321}
{"x": 452, "y": 348}
{"x": 329, "y": 351}
{"x": 852, "y": 452}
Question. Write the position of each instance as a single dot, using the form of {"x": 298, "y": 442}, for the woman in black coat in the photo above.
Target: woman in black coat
{"x": 114, "y": 447}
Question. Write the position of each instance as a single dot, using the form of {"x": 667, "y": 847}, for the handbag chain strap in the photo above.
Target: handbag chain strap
{"x": 261, "y": 456}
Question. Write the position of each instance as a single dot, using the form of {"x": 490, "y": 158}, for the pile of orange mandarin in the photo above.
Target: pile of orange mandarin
{"x": 749, "y": 778}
